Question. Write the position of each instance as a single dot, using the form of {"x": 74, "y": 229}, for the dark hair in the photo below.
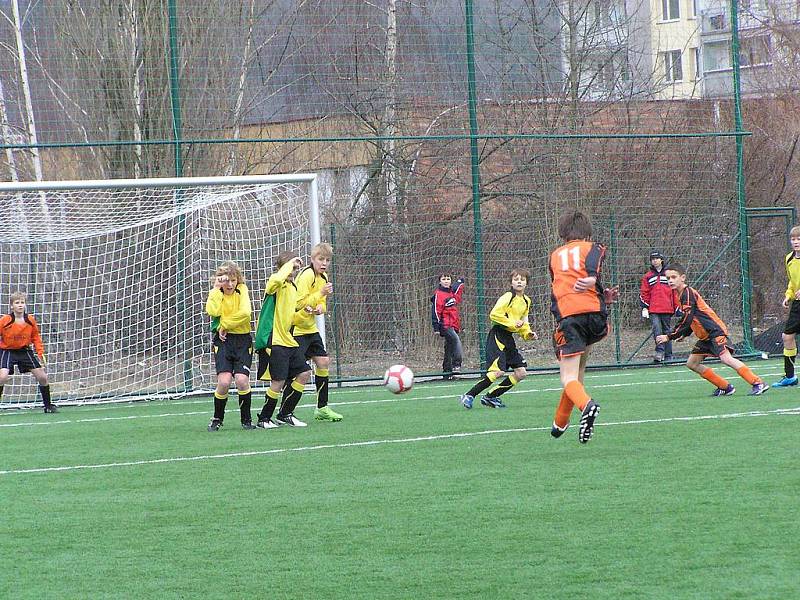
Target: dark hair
{"x": 676, "y": 266}
{"x": 444, "y": 274}
{"x": 284, "y": 257}
{"x": 519, "y": 271}
{"x": 574, "y": 225}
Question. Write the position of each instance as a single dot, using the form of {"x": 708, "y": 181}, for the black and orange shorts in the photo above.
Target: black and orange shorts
{"x": 712, "y": 346}
{"x": 575, "y": 333}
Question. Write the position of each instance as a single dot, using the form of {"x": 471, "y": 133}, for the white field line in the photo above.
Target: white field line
{"x": 389, "y": 399}
{"x": 462, "y": 385}
{"x": 429, "y": 438}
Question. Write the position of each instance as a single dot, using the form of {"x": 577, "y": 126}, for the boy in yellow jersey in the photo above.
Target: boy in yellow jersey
{"x": 279, "y": 358}
{"x": 18, "y": 332}
{"x": 791, "y": 300}
{"x": 509, "y": 316}
{"x": 313, "y": 289}
{"x": 228, "y": 305}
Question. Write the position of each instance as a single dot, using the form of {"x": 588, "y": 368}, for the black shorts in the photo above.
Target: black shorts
{"x": 792, "y": 326}
{"x": 501, "y": 351}
{"x": 311, "y": 345}
{"x": 25, "y": 360}
{"x": 574, "y": 334}
{"x": 234, "y": 355}
{"x": 712, "y": 346}
{"x": 281, "y": 363}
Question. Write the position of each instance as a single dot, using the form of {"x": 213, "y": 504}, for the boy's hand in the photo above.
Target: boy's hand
{"x": 611, "y": 295}
{"x": 221, "y": 282}
{"x": 585, "y": 283}
{"x": 797, "y": 295}
{"x": 531, "y": 336}
{"x": 319, "y": 310}
{"x": 662, "y": 339}
{"x": 327, "y": 289}
{"x": 222, "y": 334}
{"x": 785, "y": 302}
{"x": 519, "y": 324}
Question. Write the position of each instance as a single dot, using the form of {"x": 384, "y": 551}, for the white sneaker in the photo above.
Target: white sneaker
{"x": 267, "y": 424}
{"x": 290, "y": 420}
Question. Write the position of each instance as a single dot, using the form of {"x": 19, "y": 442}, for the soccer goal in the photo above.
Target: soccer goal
{"x": 117, "y": 273}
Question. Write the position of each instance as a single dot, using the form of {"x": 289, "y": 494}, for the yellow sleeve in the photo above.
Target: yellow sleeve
{"x": 214, "y": 303}
{"x": 500, "y": 310}
{"x": 240, "y": 318}
{"x": 790, "y": 291}
{"x": 305, "y": 295}
{"x": 277, "y": 279}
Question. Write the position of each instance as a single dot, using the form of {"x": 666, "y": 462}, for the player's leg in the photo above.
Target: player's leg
{"x": 790, "y": 330}
{"x": 518, "y": 374}
{"x": 299, "y": 376}
{"x": 666, "y": 322}
{"x": 495, "y": 358}
{"x": 758, "y": 385}
{"x": 224, "y": 366}
{"x": 323, "y": 412}
{"x": 273, "y": 394}
{"x": 458, "y": 352}
{"x": 695, "y": 363}
{"x": 40, "y": 375}
{"x": 657, "y": 328}
{"x": 242, "y": 356}
{"x": 4, "y": 375}
{"x": 447, "y": 360}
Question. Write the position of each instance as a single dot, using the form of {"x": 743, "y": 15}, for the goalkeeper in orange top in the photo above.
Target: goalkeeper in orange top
{"x": 18, "y": 331}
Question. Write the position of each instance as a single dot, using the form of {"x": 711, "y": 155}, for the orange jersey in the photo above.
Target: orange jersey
{"x": 17, "y": 336}
{"x": 569, "y": 263}
{"x": 698, "y": 317}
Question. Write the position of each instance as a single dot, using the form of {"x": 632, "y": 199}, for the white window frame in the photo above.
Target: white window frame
{"x": 670, "y": 63}
{"x": 666, "y": 14}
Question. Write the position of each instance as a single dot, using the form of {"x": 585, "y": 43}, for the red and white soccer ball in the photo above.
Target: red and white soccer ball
{"x": 398, "y": 379}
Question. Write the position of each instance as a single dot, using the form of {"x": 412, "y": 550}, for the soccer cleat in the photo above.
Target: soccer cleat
{"x": 786, "y": 382}
{"x": 248, "y": 425}
{"x": 290, "y": 420}
{"x": 557, "y": 432}
{"x": 588, "y": 416}
{"x": 758, "y": 389}
{"x": 268, "y": 424}
{"x": 467, "y": 400}
{"x": 492, "y": 402}
{"x": 51, "y": 408}
{"x": 726, "y": 392}
{"x": 214, "y": 425}
{"x": 326, "y": 413}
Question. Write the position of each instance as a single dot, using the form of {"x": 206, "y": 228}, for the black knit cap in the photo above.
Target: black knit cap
{"x": 656, "y": 254}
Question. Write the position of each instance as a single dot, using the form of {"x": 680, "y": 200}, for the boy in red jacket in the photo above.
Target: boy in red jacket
{"x": 658, "y": 303}
{"x": 447, "y": 323}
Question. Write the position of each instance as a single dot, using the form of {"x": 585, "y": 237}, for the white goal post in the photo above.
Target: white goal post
{"x": 117, "y": 272}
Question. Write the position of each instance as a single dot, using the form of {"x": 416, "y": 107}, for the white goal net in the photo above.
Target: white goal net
{"x": 117, "y": 273}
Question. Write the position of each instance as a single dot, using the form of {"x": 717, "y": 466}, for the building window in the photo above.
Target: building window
{"x": 670, "y": 10}
{"x": 698, "y": 68}
{"x": 716, "y": 56}
{"x": 754, "y": 51}
{"x": 695, "y": 8}
{"x": 717, "y": 22}
{"x": 673, "y": 70}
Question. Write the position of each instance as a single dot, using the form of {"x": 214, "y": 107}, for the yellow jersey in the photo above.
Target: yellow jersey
{"x": 309, "y": 293}
{"x": 231, "y": 312}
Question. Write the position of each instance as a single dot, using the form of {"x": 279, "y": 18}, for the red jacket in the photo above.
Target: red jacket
{"x": 655, "y": 294}
{"x": 445, "y": 306}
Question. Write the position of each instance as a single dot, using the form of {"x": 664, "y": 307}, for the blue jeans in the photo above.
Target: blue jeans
{"x": 453, "y": 351}
{"x": 661, "y": 326}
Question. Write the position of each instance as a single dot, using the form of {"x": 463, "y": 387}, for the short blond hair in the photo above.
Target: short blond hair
{"x": 17, "y": 296}
{"x": 794, "y": 231}
{"x": 322, "y": 250}
{"x": 231, "y": 269}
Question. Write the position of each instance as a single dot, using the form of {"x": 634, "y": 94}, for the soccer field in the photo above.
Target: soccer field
{"x": 678, "y": 495}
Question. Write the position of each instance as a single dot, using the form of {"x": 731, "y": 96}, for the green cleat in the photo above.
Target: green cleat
{"x": 326, "y": 413}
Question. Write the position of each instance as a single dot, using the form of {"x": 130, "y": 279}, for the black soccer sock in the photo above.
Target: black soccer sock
{"x": 244, "y": 405}
{"x": 291, "y": 398}
{"x": 219, "y": 406}
{"x": 503, "y": 387}
{"x": 476, "y": 389}
{"x": 269, "y": 406}
{"x": 44, "y": 390}
{"x": 789, "y": 356}
{"x": 1, "y": 391}
{"x": 321, "y": 382}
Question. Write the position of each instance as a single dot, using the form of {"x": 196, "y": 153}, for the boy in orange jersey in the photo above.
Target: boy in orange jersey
{"x": 509, "y": 316}
{"x": 18, "y": 330}
{"x": 712, "y": 336}
{"x": 579, "y": 304}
